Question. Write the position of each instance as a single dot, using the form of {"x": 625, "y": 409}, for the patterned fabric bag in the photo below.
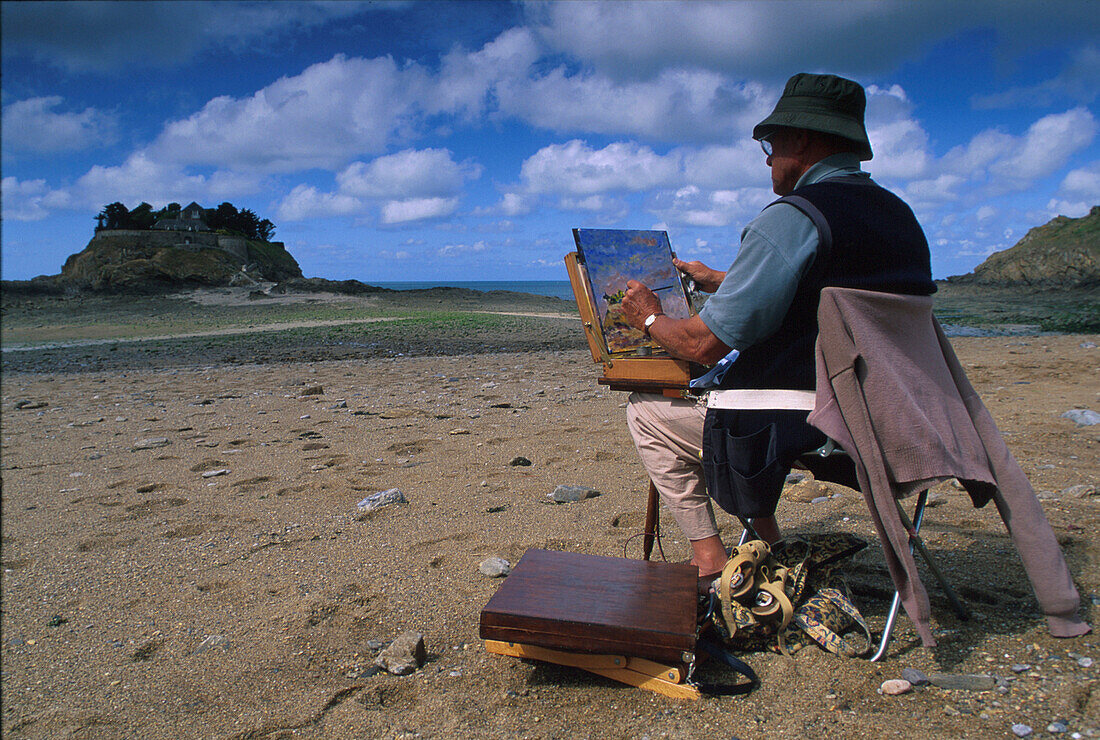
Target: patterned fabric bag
{"x": 769, "y": 599}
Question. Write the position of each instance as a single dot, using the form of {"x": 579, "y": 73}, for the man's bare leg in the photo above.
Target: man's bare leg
{"x": 709, "y": 555}
{"x": 767, "y": 528}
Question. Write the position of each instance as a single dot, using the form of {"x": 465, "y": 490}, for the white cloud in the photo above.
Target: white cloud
{"x": 675, "y": 105}
{"x": 323, "y": 117}
{"x": 417, "y": 209}
{"x": 574, "y": 168}
{"x": 29, "y": 200}
{"x": 457, "y": 250}
{"x": 34, "y": 125}
{"x": 1046, "y": 147}
{"x": 1083, "y": 182}
{"x": 141, "y": 178}
{"x": 305, "y": 201}
{"x": 409, "y": 173}
{"x": 466, "y": 78}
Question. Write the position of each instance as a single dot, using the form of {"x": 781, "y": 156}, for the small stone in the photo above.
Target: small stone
{"x": 213, "y": 641}
{"x": 1020, "y": 730}
{"x": 795, "y": 477}
{"x": 404, "y": 655}
{"x": 460, "y": 430}
{"x": 26, "y": 405}
{"x": 962, "y": 681}
{"x": 1082, "y": 417}
{"x": 896, "y": 687}
{"x": 1081, "y": 490}
{"x": 1057, "y": 728}
{"x": 1088, "y": 345}
{"x": 495, "y": 567}
{"x": 151, "y": 444}
{"x": 915, "y": 677}
{"x": 380, "y": 499}
{"x": 1084, "y": 662}
{"x": 313, "y": 390}
{"x": 935, "y": 499}
{"x": 520, "y": 461}
{"x": 806, "y": 491}
{"x": 215, "y": 473}
{"x": 339, "y": 405}
{"x": 819, "y": 500}
{"x": 1020, "y": 667}
{"x": 571, "y": 494}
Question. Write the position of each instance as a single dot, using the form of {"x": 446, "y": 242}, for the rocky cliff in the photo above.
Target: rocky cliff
{"x": 151, "y": 261}
{"x": 1063, "y": 253}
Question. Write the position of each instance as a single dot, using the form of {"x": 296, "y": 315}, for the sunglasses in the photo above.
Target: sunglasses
{"x": 766, "y": 145}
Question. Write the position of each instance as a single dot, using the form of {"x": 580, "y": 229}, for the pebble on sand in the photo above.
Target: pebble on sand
{"x": 495, "y": 567}
{"x": 566, "y": 494}
{"x": 404, "y": 655}
{"x": 896, "y": 687}
{"x": 380, "y": 499}
{"x": 1082, "y": 417}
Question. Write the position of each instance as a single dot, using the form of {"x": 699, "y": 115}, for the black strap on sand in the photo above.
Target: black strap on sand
{"x": 739, "y": 666}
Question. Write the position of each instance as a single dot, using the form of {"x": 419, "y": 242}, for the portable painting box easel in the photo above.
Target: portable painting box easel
{"x": 629, "y": 620}
{"x": 656, "y": 373}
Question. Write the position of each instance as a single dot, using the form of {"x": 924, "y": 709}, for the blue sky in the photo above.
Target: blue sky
{"x": 464, "y": 140}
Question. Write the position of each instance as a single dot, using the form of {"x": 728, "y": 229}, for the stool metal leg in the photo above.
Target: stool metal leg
{"x": 915, "y": 543}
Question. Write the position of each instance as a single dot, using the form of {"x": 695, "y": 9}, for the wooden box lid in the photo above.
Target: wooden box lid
{"x": 593, "y": 604}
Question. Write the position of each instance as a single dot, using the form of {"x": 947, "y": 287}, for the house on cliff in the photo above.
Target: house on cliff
{"x": 191, "y": 218}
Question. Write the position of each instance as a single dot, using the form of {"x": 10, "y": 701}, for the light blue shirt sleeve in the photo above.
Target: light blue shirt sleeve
{"x": 777, "y": 248}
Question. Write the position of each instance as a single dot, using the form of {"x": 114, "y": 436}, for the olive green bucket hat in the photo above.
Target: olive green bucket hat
{"x": 826, "y": 103}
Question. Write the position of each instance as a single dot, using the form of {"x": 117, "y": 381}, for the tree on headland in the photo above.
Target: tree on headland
{"x": 225, "y": 218}
{"x": 244, "y": 222}
{"x": 114, "y": 216}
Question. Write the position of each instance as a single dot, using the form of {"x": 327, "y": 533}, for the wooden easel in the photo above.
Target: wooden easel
{"x": 657, "y": 373}
{"x": 628, "y": 620}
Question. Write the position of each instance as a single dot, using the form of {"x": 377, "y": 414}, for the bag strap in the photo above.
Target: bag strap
{"x": 738, "y": 665}
{"x": 824, "y": 636}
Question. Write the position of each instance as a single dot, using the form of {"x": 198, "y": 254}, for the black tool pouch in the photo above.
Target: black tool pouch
{"x": 743, "y": 471}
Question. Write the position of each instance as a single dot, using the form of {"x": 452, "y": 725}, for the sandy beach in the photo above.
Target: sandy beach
{"x": 183, "y": 555}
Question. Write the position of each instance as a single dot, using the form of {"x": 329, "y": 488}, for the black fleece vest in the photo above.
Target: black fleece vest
{"x": 868, "y": 239}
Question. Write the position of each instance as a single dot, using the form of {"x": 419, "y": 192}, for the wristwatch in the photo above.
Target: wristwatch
{"x": 649, "y": 322}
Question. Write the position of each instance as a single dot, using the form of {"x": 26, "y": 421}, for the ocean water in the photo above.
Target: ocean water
{"x": 554, "y": 288}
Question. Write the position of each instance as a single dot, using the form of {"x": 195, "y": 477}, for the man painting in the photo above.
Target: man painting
{"x": 833, "y": 226}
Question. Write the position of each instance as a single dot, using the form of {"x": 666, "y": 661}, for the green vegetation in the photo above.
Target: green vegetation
{"x": 224, "y": 219}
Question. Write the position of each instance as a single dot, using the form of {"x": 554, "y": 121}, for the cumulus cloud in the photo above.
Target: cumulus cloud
{"x": 328, "y": 114}
{"x": 30, "y": 200}
{"x": 305, "y": 201}
{"x": 34, "y": 125}
{"x": 417, "y": 209}
{"x": 675, "y": 105}
{"x": 457, "y": 250}
{"x": 1084, "y": 181}
{"x": 1047, "y": 146}
{"x": 424, "y": 172}
{"x": 142, "y": 178}
{"x": 574, "y": 168}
